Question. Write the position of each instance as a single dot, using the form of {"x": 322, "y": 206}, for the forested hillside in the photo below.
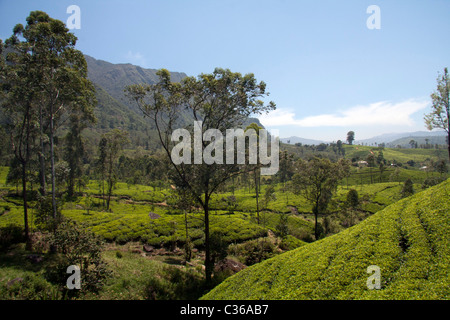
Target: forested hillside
{"x": 127, "y": 177}
{"x": 115, "y": 110}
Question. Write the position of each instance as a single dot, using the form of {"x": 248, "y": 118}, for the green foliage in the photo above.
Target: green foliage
{"x": 352, "y": 200}
{"x": 110, "y": 148}
{"x": 43, "y": 214}
{"x": 282, "y": 226}
{"x": 218, "y": 246}
{"x": 439, "y": 117}
{"x": 176, "y": 284}
{"x": 254, "y": 251}
{"x": 390, "y": 154}
{"x": 350, "y": 137}
{"x": 77, "y": 246}
{"x": 9, "y": 235}
{"x": 408, "y": 240}
{"x": 269, "y": 196}
{"x": 408, "y": 188}
{"x": 329, "y": 226}
{"x": 30, "y": 287}
{"x": 231, "y": 204}
{"x": 220, "y": 100}
{"x": 432, "y": 181}
{"x": 132, "y": 223}
{"x": 297, "y": 227}
{"x": 317, "y": 180}
{"x": 290, "y": 243}
{"x": 129, "y": 220}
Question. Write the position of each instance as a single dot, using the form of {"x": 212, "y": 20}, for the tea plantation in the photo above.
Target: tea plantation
{"x": 408, "y": 241}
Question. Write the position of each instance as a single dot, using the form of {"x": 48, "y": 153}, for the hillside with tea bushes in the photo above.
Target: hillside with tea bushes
{"x": 408, "y": 241}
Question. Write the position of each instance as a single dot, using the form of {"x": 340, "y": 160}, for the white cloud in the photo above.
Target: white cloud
{"x": 374, "y": 114}
{"x": 136, "y": 58}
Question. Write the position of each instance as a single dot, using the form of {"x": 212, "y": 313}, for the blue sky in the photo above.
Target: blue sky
{"x": 325, "y": 69}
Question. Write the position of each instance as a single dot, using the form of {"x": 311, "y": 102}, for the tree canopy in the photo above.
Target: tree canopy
{"x": 439, "y": 117}
{"x": 219, "y": 101}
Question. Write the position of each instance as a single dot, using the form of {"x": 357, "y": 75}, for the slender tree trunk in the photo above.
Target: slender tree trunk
{"x": 208, "y": 262}
{"x": 188, "y": 241}
{"x": 52, "y": 163}
{"x": 448, "y": 142}
{"x": 28, "y": 245}
{"x": 71, "y": 183}
{"x": 108, "y": 198}
{"x": 233, "y": 184}
{"x": 257, "y": 192}
{"x": 109, "y": 182}
{"x": 25, "y": 205}
{"x": 316, "y": 226}
{"x": 102, "y": 187}
{"x": 285, "y": 192}
{"x": 42, "y": 190}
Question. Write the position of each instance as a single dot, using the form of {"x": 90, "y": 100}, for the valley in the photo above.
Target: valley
{"x": 116, "y": 183}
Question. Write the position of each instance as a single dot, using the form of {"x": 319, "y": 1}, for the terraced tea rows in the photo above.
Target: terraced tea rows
{"x": 408, "y": 241}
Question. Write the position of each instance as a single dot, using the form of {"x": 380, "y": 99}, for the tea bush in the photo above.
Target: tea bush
{"x": 408, "y": 240}
{"x": 9, "y": 235}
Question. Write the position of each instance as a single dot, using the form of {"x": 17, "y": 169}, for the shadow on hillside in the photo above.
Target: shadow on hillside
{"x": 17, "y": 257}
{"x": 173, "y": 260}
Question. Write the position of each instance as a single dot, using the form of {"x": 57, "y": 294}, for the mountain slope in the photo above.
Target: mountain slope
{"x": 431, "y": 140}
{"x": 114, "y": 110}
{"x": 388, "y": 138}
{"x": 408, "y": 240}
{"x": 113, "y": 78}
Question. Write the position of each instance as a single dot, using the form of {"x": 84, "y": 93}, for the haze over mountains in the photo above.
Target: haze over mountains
{"x": 294, "y": 140}
{"x": 390, "y": 139}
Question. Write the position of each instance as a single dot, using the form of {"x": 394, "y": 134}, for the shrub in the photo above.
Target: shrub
{"x": 218, "y": 246}
{"x": 30, "y": 287}
{"x": 253, "y": 251}
{"x": 408, "y": 189}
{"x": 9, "y": 235}
{"x": 76, "y": 245}
{"x": 305, "y": 236}
{"x": 43, "y": 216}
{"x": 122, "y": 239}
{"x": 349, "y": 217}
{"x": 188, "y": 246}
{"x": 174, "y": 284}
{"x": 329, "y": 225}
{"x": 282, "y": 226}
{"x": 432, "y": 181}
{"x": 352, "y": 200}
{"x": 290, "y": 243}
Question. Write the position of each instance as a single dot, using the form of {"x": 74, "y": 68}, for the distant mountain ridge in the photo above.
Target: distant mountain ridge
{"x": 431, "y": 140}
{"x": 113, "y": 78}
{"x": 304, "y": 141}
{"x": 115, "y": 110}
{"x": 390, "y": 139}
